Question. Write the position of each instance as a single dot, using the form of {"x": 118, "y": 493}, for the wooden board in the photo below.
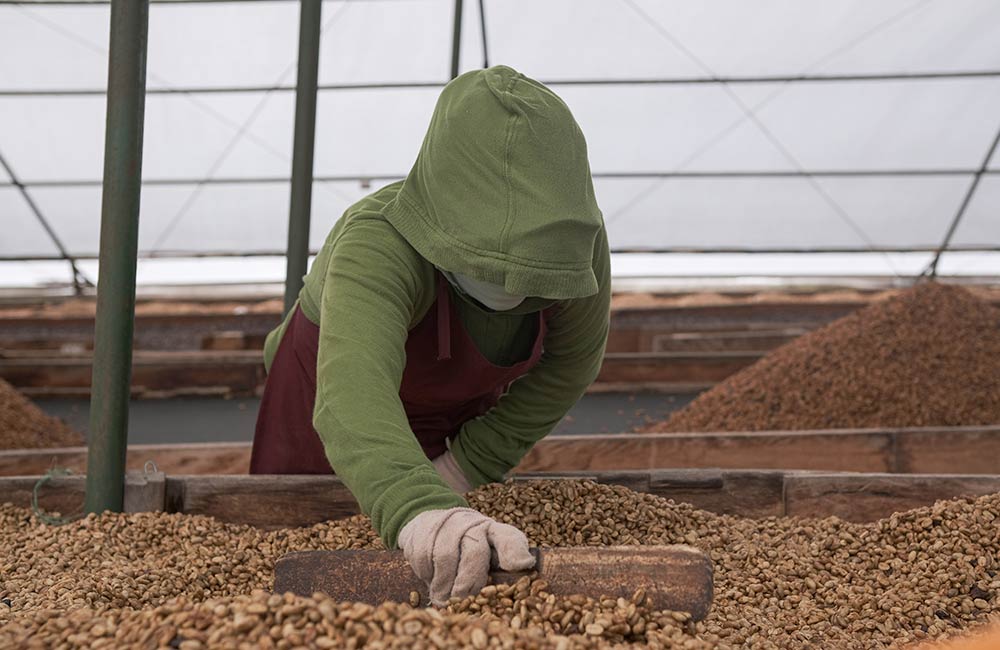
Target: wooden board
{"x": 932, "y": 450}
{"x": 231, "y": 372}
{"x": 241, "y": 372}
{"x": 633, "y": 329}
{"x": 270, "y": 502}
{"x": 164, "y": 331}
{"x": 721, "y": 317}
{"x": 864, "y": 451}
{"x": 262, "y": 501}
{"x": 747, "y": 493}
{"x": 189, "y": 458}
{"x": 290, "y": 501}
{"x": 64, "y": 495}
{"x": 962, "y": 450}
{"x": 65, "y": 346}
{"x": 145, "y": 491}
{"x": 281, "y": 501}
{"x": 673, "y": 367}
{"x": 58, "y": 496}
{"x": 676, "y": 578}
{"x": 867, "y": 497}
{"x": 737, "y": 341}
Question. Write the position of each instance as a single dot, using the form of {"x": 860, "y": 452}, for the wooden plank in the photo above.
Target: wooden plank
{"x": 637, "y": 480}
{"x": 290, "y": 501}
{"x": 233, "y": 340}
{"x": 241, "y": 372}
{"x": 145, "y": 491}
{"x": 745, "y": 493}
{"x": 623, "y": 340}
{"x": 31, "y": 462}
{"x": 659, "y": 387}
{"x": 553, "y": 476}
{"x": 946, "y": 450}
{"x": 176, "y": 331}
{"x": 141, "y": 357}
{"x": 737, "y": 341}
{"x": 868, "y": 497}
{"x": 868, "y": 451}
{"x": 832, "y": 451}
{"x": 61, "y": 496}
{"x": 861, "y": 451}
{"x": 64, "y": 495}
{"x": 677, "y": 578}
{"x": 673, "y": 367}
{"x": 632, "y": 328}
{"x": 190, "y": 458}
{"x": 599, "y": 453}
{"x": 733, "y": 316}
{"x": 261, "y": 500}
{"x": 64, "y": 346}
{"x": 224, "y": 458}
{"x": 965, "y": 450}
{"x": 142, "y": 392}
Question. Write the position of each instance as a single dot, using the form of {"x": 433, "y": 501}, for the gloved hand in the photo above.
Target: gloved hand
{"x": 450, "y": 550}
{"x": 448, "y": 468}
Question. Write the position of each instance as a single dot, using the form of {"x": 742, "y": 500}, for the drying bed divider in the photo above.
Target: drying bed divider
{"x": 917, "y": 450}
{"x": 927, "y": 450}
{"x": 290, "y": 501}
{"x": 42, "y": 373}
{"x": 633, "y": 329}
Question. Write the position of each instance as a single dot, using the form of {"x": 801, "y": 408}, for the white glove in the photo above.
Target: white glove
{"x": 450, "y": 550}
{"x": 448, "y": 468}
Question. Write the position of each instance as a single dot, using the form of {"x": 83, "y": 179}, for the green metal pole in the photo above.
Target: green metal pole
{"x": 456, "y": 39}
{"x": 119, "y": 243}
{"x": 300, "y": 209}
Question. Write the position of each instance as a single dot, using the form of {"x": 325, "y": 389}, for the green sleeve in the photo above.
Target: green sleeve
{"x": 374, "y": 285}
{"x": 490, "y": 446}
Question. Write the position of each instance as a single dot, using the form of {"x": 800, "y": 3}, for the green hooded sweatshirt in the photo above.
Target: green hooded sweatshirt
{"x": 501, "y": 191}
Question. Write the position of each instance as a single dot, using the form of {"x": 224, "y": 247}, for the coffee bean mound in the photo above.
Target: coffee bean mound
{"x": 929, "y": 356}
{"x": 23, "y": 425}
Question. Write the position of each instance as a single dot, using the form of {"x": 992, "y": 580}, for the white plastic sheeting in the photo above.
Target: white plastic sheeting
{"x": 843, "y": 126}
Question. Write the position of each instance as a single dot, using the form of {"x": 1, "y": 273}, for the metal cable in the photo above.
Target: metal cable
{"x": 57, "y": 3}
{"x": 723, "y": 133}
{"x": 230, "y": 146}
{"x": 192, "y": 97}
{"x": 79, "y": 279}
{"x": 189, "y": 95}
{"x": 638, "y": 81}
{"x": 748, "y": 112}
{"x": 41, "y": 515}
{"x": 931, "y": 270}
{"x": 618, "y": 250}
{"x": 766, "y": 131}
{"x": 368, "y": 178}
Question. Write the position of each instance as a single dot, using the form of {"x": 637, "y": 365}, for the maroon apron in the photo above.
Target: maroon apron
{"x": 446, "y": 382}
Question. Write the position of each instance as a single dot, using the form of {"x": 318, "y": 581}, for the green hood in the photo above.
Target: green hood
{"x": 501, "y": 190}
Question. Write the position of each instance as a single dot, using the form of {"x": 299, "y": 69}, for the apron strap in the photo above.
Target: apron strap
{"x": 443, "y": 319}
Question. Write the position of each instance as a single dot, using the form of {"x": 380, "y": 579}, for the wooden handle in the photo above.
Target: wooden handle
{"x": 673, "y": 577}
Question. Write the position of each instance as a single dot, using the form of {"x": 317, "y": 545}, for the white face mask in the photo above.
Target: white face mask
{"x": 491, "y": 295}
